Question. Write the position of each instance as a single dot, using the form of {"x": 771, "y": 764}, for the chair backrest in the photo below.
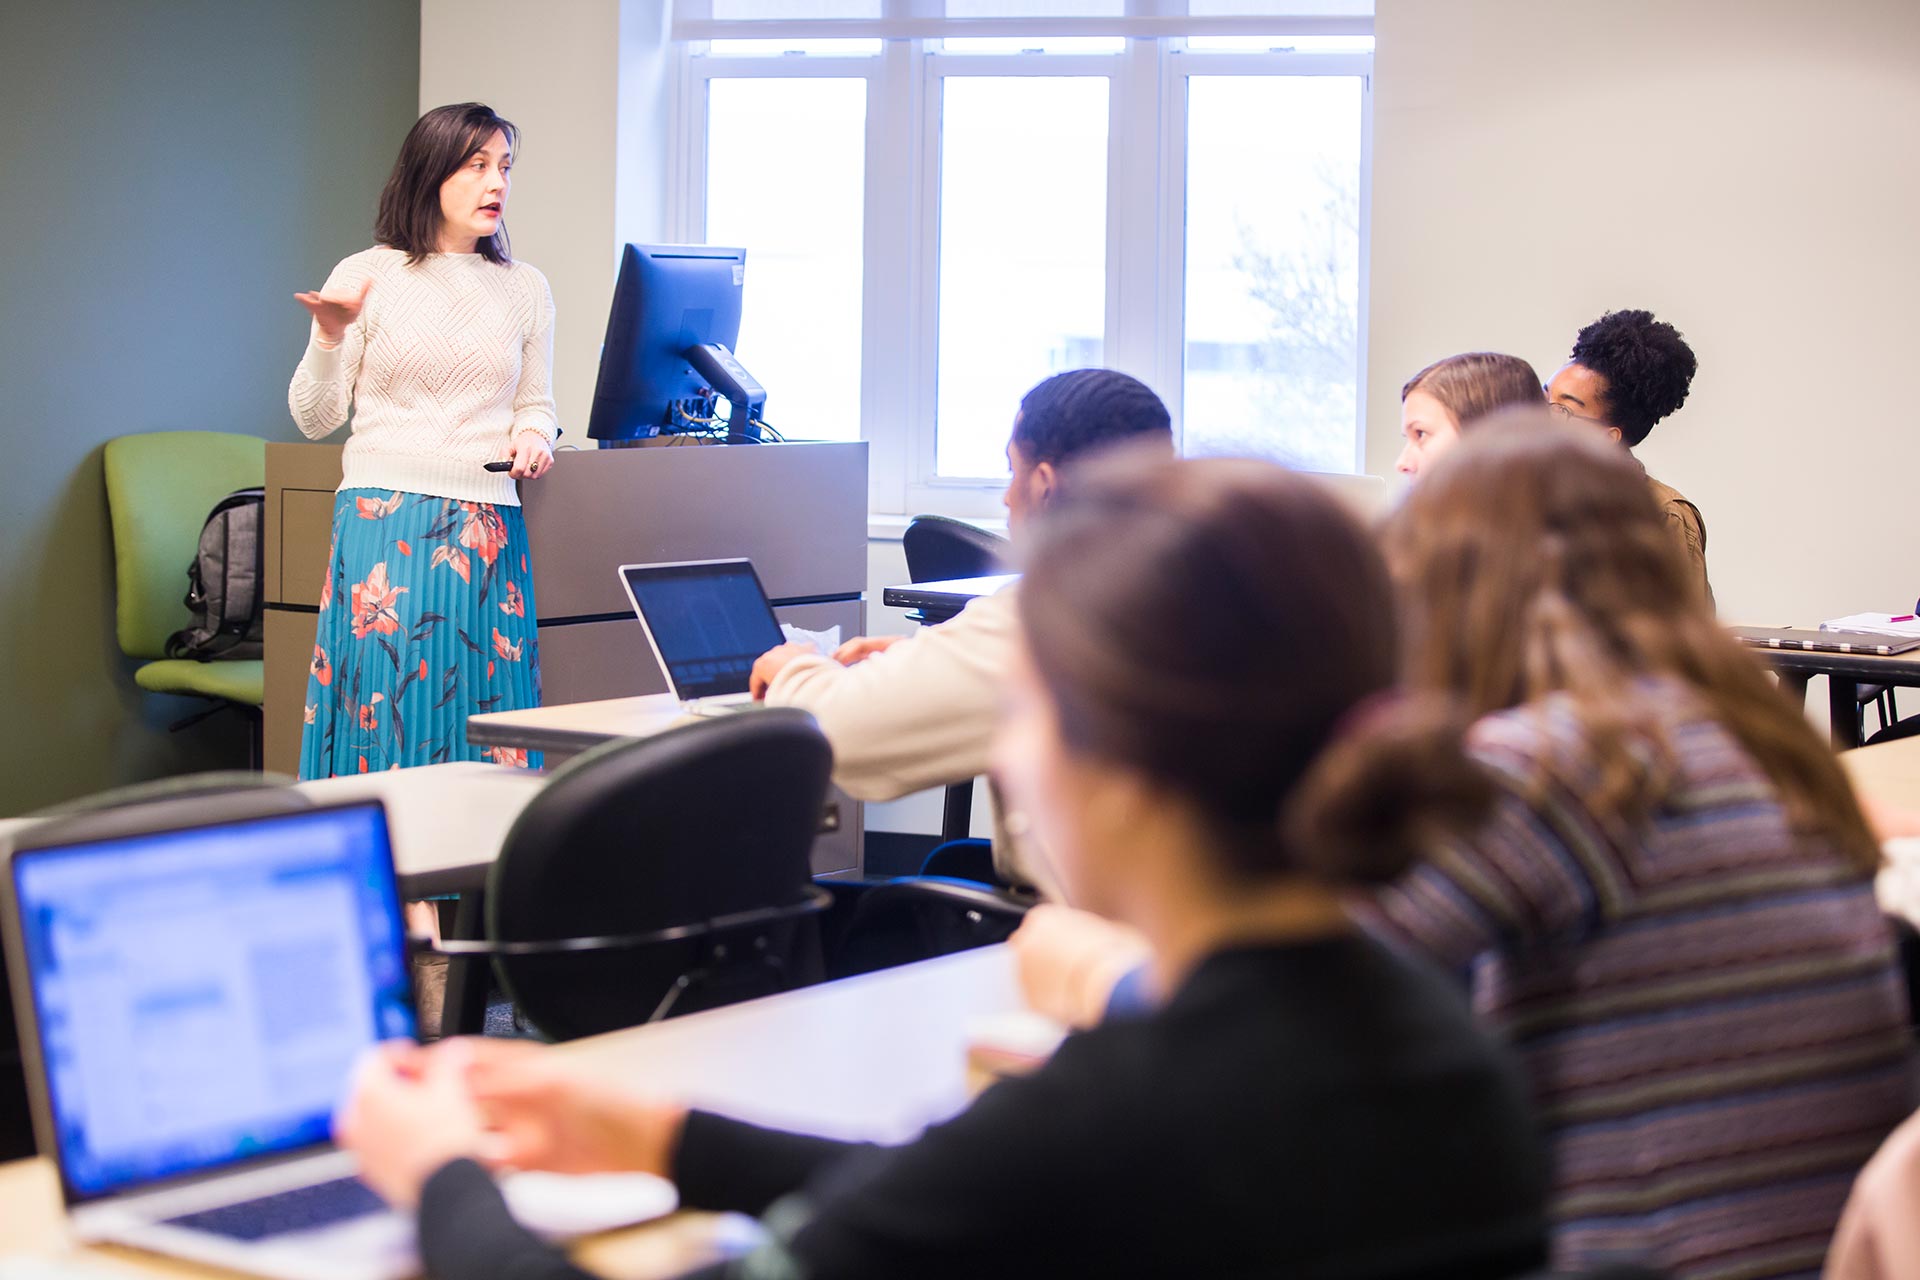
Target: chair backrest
{"x": 939, "y": 549}
{"x": 160, "y": 487}
{"x": 707, "y": 821}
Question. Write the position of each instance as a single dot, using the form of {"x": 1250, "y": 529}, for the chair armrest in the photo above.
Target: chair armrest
{"x": 817, "y": 900}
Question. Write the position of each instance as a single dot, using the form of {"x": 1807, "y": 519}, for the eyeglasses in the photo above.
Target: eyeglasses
{"x": 1559, "y": 410}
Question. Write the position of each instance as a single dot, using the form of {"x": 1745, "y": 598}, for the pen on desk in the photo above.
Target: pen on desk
{"x": 1905, "y": 617}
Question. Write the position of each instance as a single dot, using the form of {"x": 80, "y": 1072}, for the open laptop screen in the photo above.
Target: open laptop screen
{"x": 708, "y": 621}
{"x": 201, "y": 994}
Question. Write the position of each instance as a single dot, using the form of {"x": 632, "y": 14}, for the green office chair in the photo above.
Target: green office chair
{"x": 160, "y": 488}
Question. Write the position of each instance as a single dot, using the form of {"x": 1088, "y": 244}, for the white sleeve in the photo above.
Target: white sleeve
{"x": 321, "y": 393}
{"x": 533, "y": 408}
{"x": 919, "y": 714}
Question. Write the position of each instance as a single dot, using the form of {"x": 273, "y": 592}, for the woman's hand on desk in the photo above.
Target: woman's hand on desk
{"x": 333, "y": 312}
{"x": 860, "y": 648}
{"x": 542, "y": 1113}
{"x": 1070, "y": 961}
{"x": 768, "y": 666}
{"x": 407, "y": 1114}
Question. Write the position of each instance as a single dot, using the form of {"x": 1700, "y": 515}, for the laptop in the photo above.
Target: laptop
{"x": 191, "y": 1003}
{"x": 1825, "y": 641}
{"x": 707, "y": 621}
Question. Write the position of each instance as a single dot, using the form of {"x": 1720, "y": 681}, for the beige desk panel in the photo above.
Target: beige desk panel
{"x": 289, "y": 633}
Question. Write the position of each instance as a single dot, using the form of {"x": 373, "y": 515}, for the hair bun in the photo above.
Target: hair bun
{"x": 1395, "y": 780}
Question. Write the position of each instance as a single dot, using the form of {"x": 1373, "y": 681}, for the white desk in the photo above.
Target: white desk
{"x": 573, "y": 727}
{"x": 879, "y": 1056}
{"x": 446, "y": 820}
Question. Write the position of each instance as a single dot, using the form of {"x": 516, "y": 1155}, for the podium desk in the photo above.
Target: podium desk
{"x": 876, "y": 1057}
{"x": 798, "y": 511}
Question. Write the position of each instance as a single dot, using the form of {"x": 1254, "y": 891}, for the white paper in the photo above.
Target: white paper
{"x": 1879, "y": 624}
{"x": 825, "y": 641}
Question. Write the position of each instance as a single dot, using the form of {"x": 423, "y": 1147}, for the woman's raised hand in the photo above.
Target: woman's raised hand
{"x": 333, "y": 312}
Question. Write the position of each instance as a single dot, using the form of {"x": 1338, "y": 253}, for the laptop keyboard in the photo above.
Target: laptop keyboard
{"x": 301, "y": 1209}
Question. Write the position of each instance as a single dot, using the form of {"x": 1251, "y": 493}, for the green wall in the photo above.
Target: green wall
{"x": 170, "y": 172}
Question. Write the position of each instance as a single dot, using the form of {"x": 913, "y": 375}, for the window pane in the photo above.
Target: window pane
{"x": 1273, "y": 268}
{"x": 1023, "y": 251}
{"x": 786, "y": 178}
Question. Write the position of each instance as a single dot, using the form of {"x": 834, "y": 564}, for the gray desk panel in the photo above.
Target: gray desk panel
{"x": 797, "y": 511}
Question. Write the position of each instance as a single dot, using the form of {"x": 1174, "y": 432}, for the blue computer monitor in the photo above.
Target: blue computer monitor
{"x": 673, "y": 305}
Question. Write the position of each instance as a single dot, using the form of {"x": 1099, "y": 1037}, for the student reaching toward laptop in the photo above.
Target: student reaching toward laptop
{"x": 912, "y": 712}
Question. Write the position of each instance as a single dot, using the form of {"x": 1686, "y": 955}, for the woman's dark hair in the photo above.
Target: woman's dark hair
{"x": 1224, "y": 628}
{"x": 1476, "y": 383}
{"x": 438, "y": 144}
{"x": 1084, "y": 409}
{"x": 1647, "y": 364}
{"x": 1534, "y": 562}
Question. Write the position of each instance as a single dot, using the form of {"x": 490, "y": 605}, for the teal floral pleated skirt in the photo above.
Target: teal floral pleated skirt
{"x": 426, "y": 618}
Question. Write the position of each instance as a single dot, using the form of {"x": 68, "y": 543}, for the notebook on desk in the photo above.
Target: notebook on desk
{"x": 1825, "y": 641}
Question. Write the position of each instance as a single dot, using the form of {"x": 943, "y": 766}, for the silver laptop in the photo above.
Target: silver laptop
{"x": 707, "y": 621}
{"x": 191, "y": 1002}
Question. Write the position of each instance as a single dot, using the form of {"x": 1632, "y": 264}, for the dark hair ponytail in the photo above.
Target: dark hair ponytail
{"x": 1394, "y": 782}
{"x": 1225, "y": 628}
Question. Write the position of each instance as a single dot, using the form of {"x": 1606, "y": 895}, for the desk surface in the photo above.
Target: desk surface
{"x": 576, "y": 726}
{"x": 947, "y": 591}
{"x": 1889, "y": 773}
{"x": 446, "y": 820}
{"x": 880, "y": 1056}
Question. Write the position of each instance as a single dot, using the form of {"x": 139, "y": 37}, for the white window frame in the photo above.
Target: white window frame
{"x": 1146, "y": 224}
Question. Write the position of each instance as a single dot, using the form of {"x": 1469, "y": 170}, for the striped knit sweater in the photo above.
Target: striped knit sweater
{"x": 1707, "y": 1004}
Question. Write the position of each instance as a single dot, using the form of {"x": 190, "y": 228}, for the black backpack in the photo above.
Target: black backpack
{"x": 224, "y": 583}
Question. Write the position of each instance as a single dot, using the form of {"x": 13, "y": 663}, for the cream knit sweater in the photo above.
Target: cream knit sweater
{"x": 447, "y": 362}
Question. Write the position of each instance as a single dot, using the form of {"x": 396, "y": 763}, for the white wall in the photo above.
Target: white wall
{"x": 1746, "y": 170}
{"x": 586, "y": 82}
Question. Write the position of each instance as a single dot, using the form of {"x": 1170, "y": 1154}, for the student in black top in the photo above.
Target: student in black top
{"x": 1304, "y": 1102}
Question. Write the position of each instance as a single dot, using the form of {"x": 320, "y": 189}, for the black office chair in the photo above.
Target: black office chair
{"x": 659, "y": 876}
{"x": 939, "y": 549}
{"x": 144, "y": 806}
{"x": 896, "y": 922}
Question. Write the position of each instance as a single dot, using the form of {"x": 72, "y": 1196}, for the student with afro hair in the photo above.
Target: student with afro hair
{"x": 1627, "y": 372}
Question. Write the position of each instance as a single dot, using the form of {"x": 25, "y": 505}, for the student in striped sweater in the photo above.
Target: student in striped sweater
{"x": 1671, "y": 916}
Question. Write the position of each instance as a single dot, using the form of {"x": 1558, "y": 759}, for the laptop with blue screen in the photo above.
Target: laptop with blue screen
{"x": 191, "y": 1003}
{"x": 707, "y": 620}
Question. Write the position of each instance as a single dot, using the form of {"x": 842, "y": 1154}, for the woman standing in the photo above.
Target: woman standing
{"x": 442, "y": 347}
